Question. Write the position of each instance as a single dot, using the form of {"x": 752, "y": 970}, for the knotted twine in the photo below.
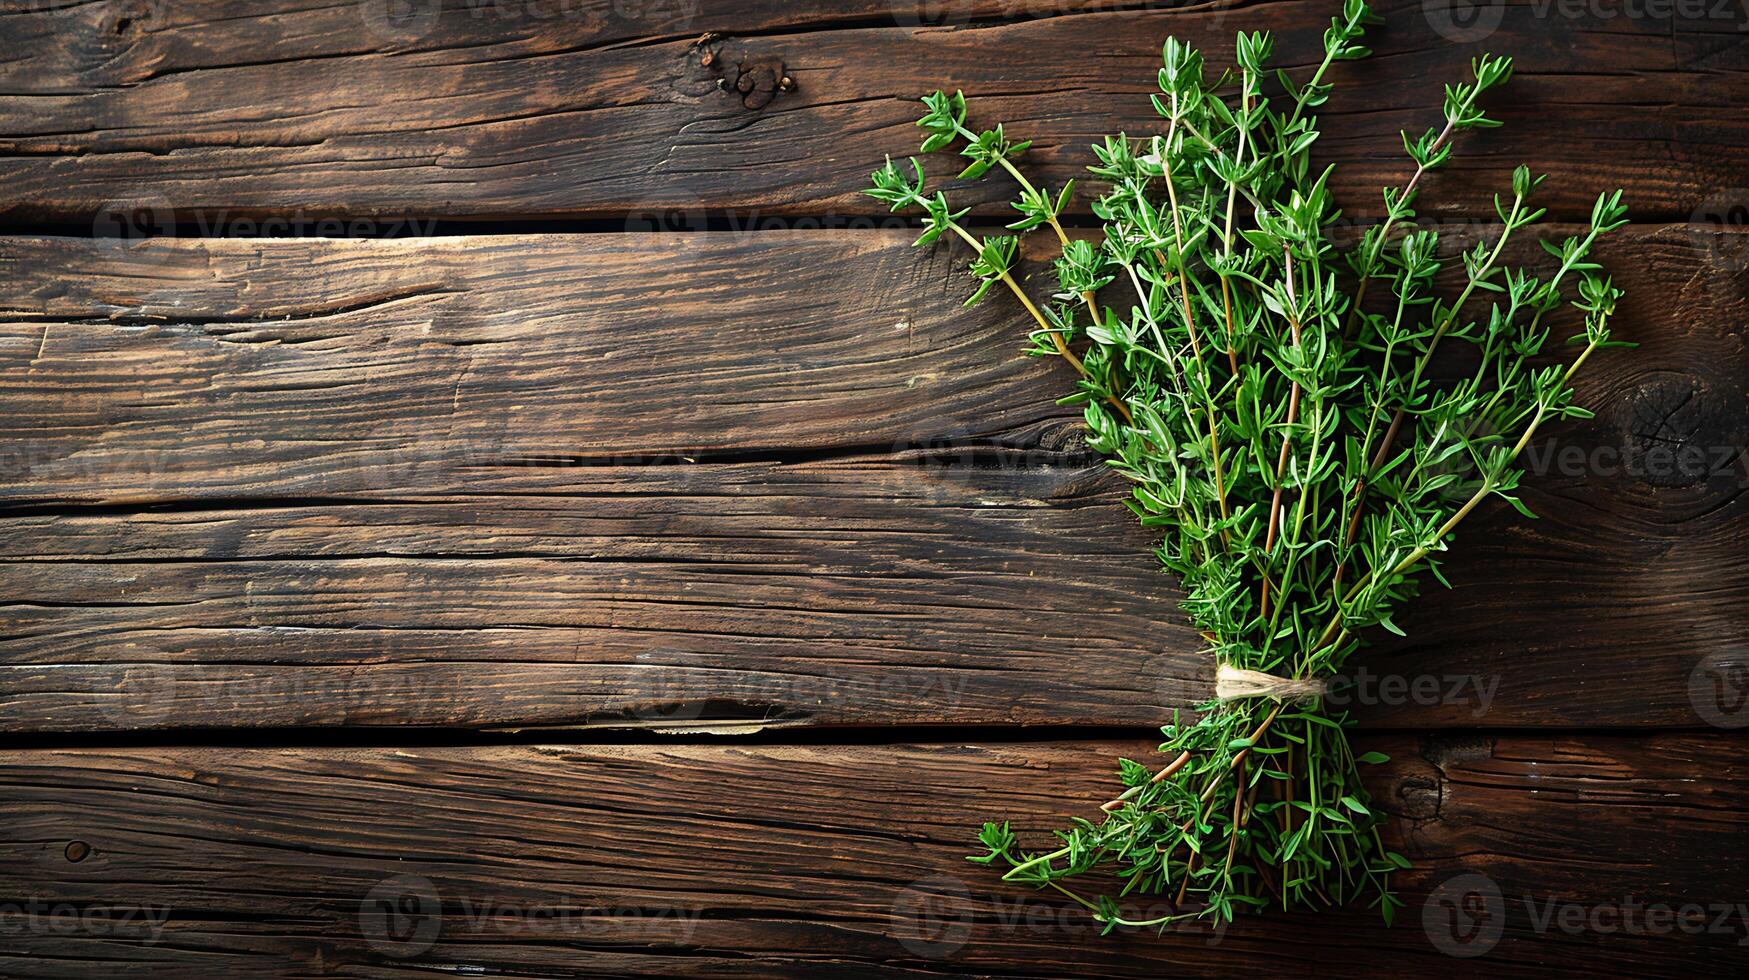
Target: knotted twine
{"x": 1233, "y": 683}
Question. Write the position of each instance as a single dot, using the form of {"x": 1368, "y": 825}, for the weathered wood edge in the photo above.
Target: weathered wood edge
{"x": 225, "y": 379}
{"x": 788, "y": 861}
{"x": 139, "y": 117}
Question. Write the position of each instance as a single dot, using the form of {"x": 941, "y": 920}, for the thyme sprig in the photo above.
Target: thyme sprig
{"x": 1285, "y": 435}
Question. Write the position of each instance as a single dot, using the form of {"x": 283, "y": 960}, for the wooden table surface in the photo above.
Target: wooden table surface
{"x": 483, "y": 495}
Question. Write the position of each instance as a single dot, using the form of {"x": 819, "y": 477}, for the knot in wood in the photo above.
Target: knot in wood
{"x": 756, "y": 78}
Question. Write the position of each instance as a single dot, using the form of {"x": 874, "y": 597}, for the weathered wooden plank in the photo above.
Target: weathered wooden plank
{"x": 787, "y": 861}
{"x": 764, "y": 594}
{"x": 203, "y": 113}
{"x": 178, "y": 369}
{"x": 666, "y": 596}
{"x": 396, "y": 497}
{"x": 182, "y": 369}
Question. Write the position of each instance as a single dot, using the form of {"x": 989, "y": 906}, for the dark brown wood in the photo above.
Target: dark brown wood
{"x": 212, "y": 114}
{"x": 1642, "y": 515}
{"x": 453, "y": 482}
{"x": 728, "y": 597}
{"x": 215, "y": 369}
{"x": 712, "y": 482}
{"x": 327, "y": 367}
{"x": 800, "y": 861}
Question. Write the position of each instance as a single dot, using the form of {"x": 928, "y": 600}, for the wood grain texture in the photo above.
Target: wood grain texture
{"x": 177, "y": 370}
{"x": 206, "y": 111}
{"x": 762, "y": 861}
{"x": 325, "y": 367}
{"x": 304, "y": 483}
{"x": 707, "y": 483}
{"x": 676, "y": 597}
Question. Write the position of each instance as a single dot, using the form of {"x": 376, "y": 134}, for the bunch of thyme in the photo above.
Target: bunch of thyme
{"x": 1267, "y": 391}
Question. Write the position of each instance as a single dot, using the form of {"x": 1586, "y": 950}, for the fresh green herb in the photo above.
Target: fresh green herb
{"x": 1284, "y": 434}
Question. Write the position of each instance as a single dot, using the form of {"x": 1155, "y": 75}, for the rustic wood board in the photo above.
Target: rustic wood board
{"x": 206, "y": 112}
{"x": 790, "y": 860}
{"x": 669, "y": 596}
{"x": 720, "y": 474}
{"x": 186, "y": 369}
{"x": 513, "y": 481}
{"x": 399, "y": 365}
